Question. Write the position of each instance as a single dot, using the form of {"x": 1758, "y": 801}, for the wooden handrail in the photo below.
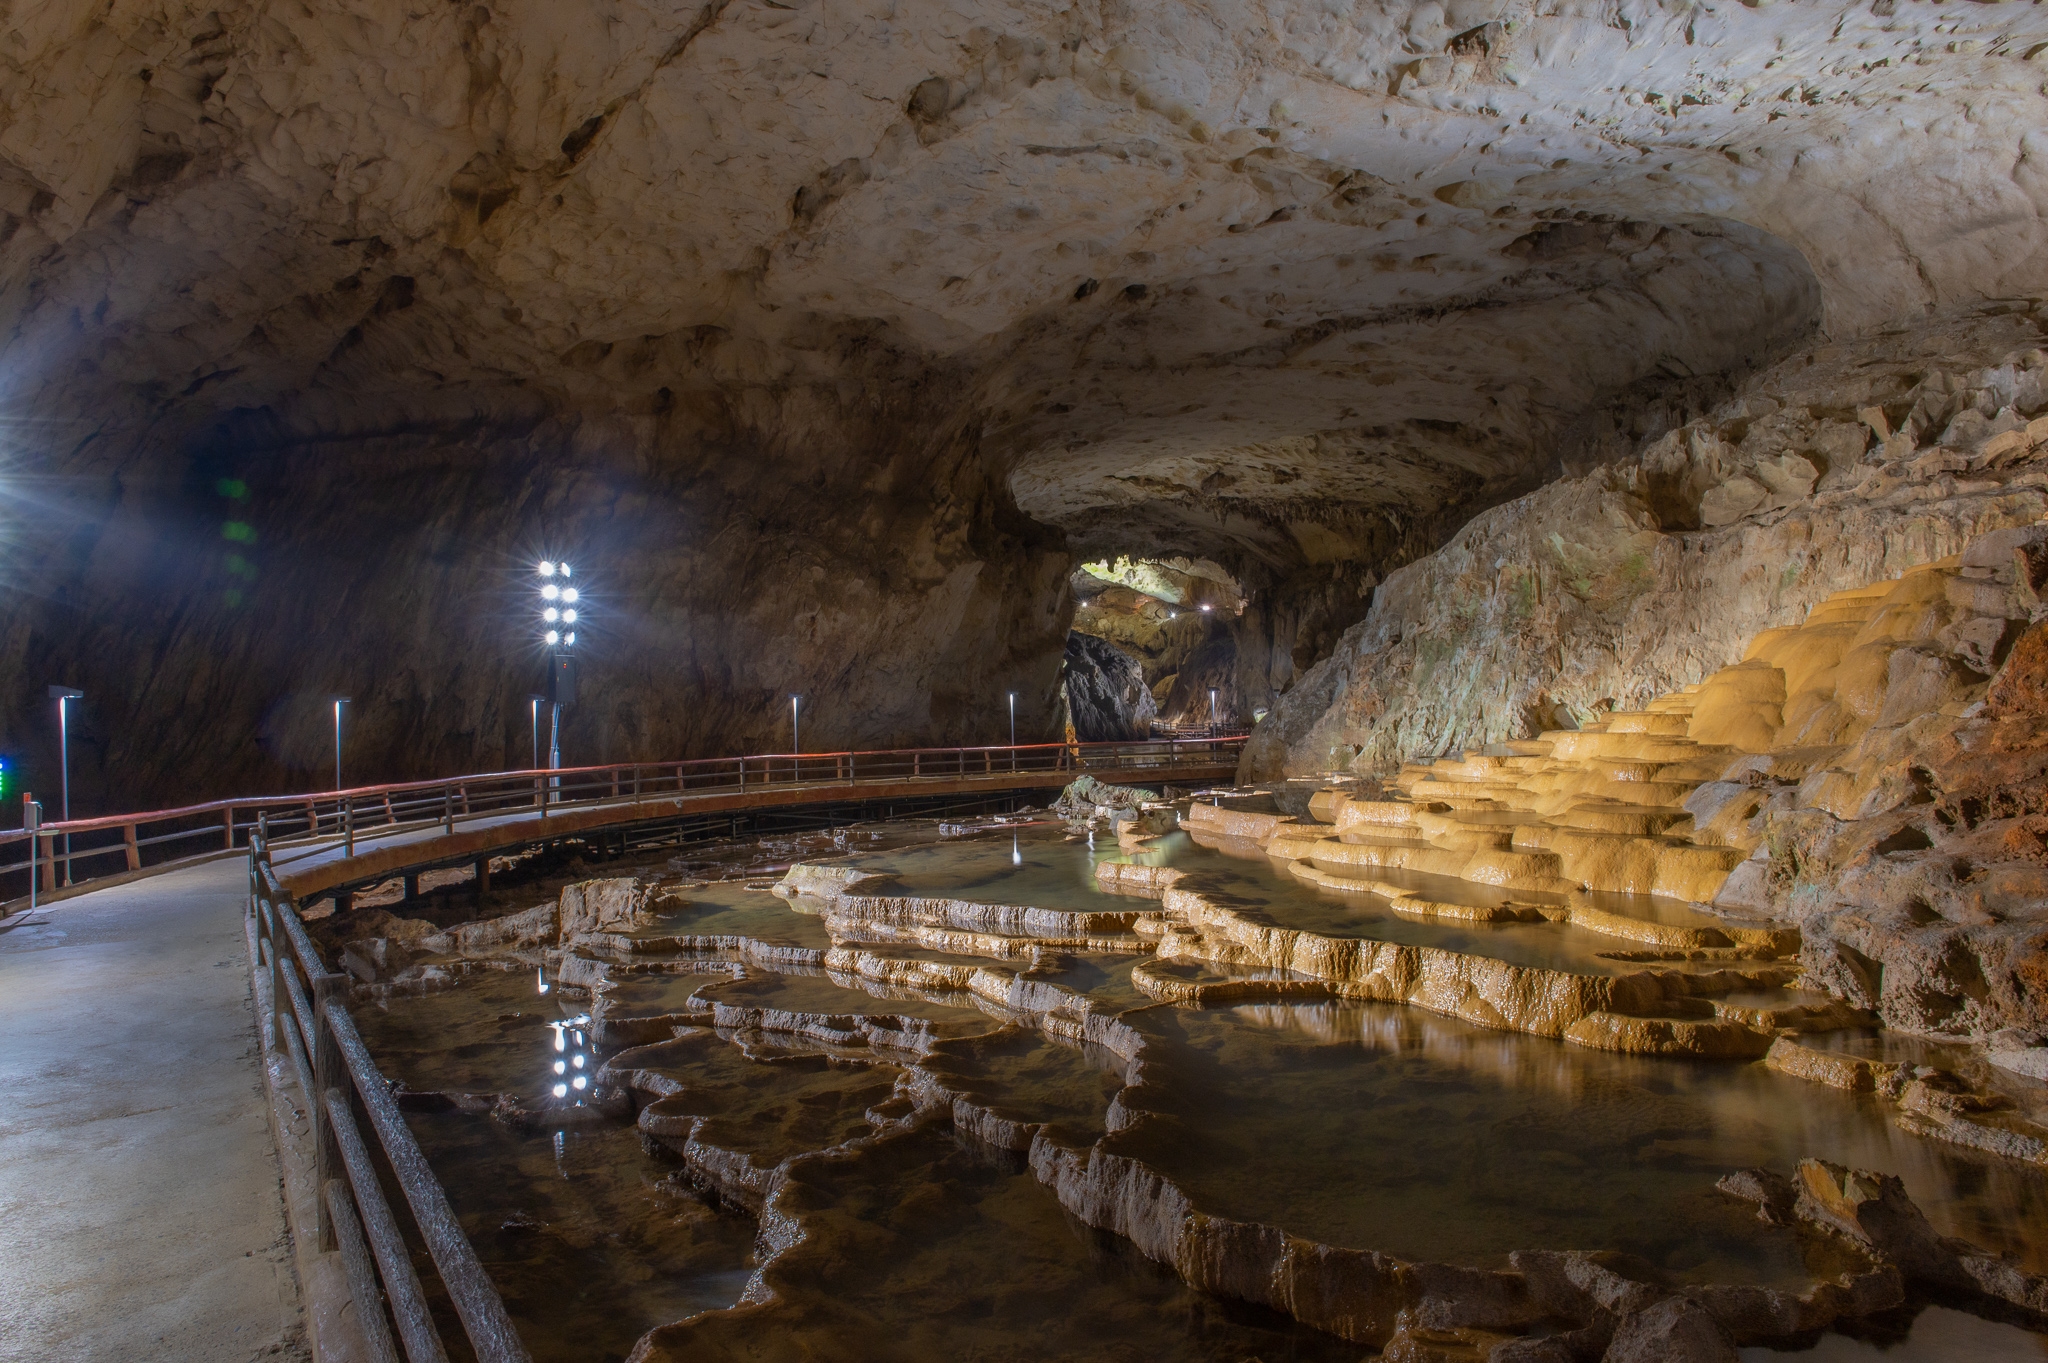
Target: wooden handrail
{"x": 300, "y": 816}
{"x": 308, "y": 1011}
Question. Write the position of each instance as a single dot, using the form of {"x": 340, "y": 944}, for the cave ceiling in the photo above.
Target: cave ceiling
{"x": 1242, "y": 280}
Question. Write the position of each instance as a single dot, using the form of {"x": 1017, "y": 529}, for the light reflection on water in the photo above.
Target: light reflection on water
{"x": 571, "y": 1058}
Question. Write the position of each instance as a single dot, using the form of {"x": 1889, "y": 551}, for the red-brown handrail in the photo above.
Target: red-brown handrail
{"x": 462, "y": 799}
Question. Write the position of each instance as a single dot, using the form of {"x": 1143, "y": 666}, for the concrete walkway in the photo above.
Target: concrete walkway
{"x": 141, "y": 1215}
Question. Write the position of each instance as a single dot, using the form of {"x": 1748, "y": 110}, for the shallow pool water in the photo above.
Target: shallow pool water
{"x": 494, "y": 1032}
{"x": 1025, "y": 1076}
{"x": 835, "y": 994}
{"x": 1378, "y": 1127}
{"x": 587, "y": 1235}
{"x": 1043, "y": 868}
{"x": 924, "y": 1248}
{"x": 768, "y": 1105}
{"x": 729, "y": 909}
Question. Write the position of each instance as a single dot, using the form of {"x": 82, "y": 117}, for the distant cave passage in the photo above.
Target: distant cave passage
{"x": 1107, "y": 698}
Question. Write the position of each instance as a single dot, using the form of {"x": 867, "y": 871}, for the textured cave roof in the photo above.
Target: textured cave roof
{"x": 1219, "y": 278}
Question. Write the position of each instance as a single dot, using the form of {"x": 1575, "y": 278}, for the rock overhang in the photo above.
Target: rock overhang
{"x": 1366, "y": 258}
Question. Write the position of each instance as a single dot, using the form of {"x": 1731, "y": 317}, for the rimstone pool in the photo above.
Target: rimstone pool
{"x": 1016, "y": 1091}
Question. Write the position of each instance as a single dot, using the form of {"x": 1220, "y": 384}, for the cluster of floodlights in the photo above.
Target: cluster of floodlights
{"x": 558, "y": 605}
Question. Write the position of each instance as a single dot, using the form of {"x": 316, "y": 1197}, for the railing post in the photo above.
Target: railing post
{"x": 328, "y": 1072}
{"x": 134, "y": 852}
{"x": 348, "y": 826}
{"x": 743, "y": 776}
{"x": 49, "y": 842}
{"x": 448, "y": 810}
{"x": 227, "y": 821}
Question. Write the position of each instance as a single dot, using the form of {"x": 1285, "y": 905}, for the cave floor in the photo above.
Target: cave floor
{"x": 140, "y": 1205}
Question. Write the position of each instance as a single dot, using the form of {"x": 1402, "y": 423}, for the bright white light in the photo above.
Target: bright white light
{"x": 577, "y": 1061}
{"x": 560, "y": 1044}
{"x": 548, "y": 569}
{"x": 541, "y": 975}
{"x": 569, "y": 616}
{"x": 568, "y": 593}
{"x": 561, "y": 1090}
{"x": 1173, "y": 615}
{"x": 571, "y": 639}
{"x": 550, "y": 592}
{"x": 551, "y": 615}
{"x": 553, "y": 637}
{"x": 560, "y": 1068}
{"x": 579, "y": 1082}
{"x": 565, "y": 570}
{"x": 1205, "y": 607}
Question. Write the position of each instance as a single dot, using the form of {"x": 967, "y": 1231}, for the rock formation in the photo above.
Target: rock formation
{"x": 813, "y": 340}
{"x": 1107, "y": 699}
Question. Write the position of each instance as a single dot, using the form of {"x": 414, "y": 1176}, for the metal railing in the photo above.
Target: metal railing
{"x": 341, "y": 1084}
{"x": 79, "y": 850}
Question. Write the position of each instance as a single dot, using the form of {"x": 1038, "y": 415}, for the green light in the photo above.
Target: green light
{"x": 241, "y": 532}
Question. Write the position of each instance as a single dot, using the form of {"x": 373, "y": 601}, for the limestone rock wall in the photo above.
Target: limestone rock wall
{"x": 1841, "y": 466}
{"x": 209, "y": 615}
{"x": 1107, "y": 698}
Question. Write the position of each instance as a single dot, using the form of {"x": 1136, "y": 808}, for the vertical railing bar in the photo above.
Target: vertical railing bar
{"x": 408, "y": 1301}
{"x": 476, "y": 1300}
{"x": 361, "y": 1274}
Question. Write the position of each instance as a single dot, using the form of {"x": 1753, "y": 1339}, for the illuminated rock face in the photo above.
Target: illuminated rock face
{"x": 794, "y": 314}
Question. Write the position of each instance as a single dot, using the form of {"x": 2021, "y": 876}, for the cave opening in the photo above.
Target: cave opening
{"x": 1153, "y": 648}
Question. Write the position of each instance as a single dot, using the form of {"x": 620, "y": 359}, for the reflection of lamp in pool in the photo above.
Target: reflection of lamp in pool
{"x": 1016, "y": 853}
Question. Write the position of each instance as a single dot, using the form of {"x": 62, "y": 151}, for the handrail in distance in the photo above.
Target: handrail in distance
{"x": 166, "y": 835}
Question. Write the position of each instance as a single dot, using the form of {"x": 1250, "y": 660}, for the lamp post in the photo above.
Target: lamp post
{"x": 63, "y": 695}
{"x": 558, "y": 631}
{"x": 796, "y": 745}
{"x": 1013, "y": 731}
{"x": 534, "y": 702}
{"x": 1212, "y": 712}
{"x": 339, "y": 701}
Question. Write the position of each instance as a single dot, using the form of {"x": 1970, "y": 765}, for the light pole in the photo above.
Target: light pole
{"x": 63, "y": 695}
{"x": 558, "y": 632}
{"x": 1212, "y": 712}
{"x": 534, "y": 702}
{"x": 1013, "y": 731}
{"x": 339, "y": 701}
{"x": 796, "y": 744}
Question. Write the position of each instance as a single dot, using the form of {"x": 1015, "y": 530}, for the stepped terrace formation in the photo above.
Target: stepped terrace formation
{"x": 1322, "y": 681}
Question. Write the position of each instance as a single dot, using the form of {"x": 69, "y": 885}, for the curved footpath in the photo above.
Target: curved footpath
{"x": 141, "y": 1211}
